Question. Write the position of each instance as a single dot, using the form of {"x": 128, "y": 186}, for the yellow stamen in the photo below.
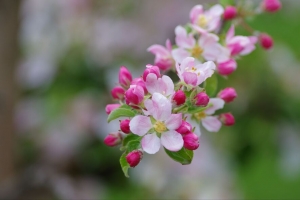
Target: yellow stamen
{"x": 196, "y": 51}
{"x": 200, "y": 115}
{"x": 160, "y": 127}
{"x": 202, "y": 21}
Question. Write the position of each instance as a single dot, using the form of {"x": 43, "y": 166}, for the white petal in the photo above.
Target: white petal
{"x": 180, "y": 54}
{"x": 215, "y": 104}
{"x": 174, "y": 121}
{"x": 140, "y": 125}
{"x": 162, "y": 107}
{"x": 151, "y": 143}
{"x": 216, "y": 10}
{"x": 172, "y": 140}
{"x": 211, "y": 123}
{"x": 168, "y": 85}
{"x": 152, "y": 83}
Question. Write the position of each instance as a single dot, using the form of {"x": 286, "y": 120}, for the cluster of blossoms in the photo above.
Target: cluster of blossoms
{"x": 157, "y": 112}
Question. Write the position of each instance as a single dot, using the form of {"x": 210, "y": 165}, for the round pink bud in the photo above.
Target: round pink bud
{"x": 202, "y": 99}
{"x": 125, "y": 77}
{"x": 134, "y": 95}
{"x": 227, "y": 119}
{"x": 271, "y": 5}
{"x": 191, "y": 141}
{"x": 184, "y": 128}
{"x": 111, "y": 107}
{"x": 134, "y": 158}
{"x": 124, "y": 126}
{"x": 228, "y": 94}
{"x": 226, "y": 68}
{"x": 179, "y": 97}
{"x": 151, "y": 69}
{"x": 118, "y": 93}
{"x": 140, "y": 82}
{"x": 113, "y": 139}
{"x": 266, "y": 41}
{"x": 230, "y": 13}
{"x": 164, "y": 63}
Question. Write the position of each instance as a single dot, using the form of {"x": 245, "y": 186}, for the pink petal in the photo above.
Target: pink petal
{"x": 140, "y": 125}
{"x": 172, "y": 140}
{"x": 230, "y": 34}
{"x": 187, "y": 63}
{"x": 168, "y": 85}
{"x": 151, "y": 143}
{"x": 158, "y": 50}
{"x": 152, "y": 83}
{"x": 169, "y": 45}
{"x": 174, "y": 121}
{"x": 183, "y": 39}
{"x": 215, "y": 104}
{"x": 180, "y": 54}
{"x": 216, "y": 10}
{"x": 190, "y": 78}
{"x": 195, "y": 12}
{"x": 162, "y": 107}
{"x": 211, "y": 123}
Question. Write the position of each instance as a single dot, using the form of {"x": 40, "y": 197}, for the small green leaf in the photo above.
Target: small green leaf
{"x": 129, "y": 138}
{"x": 122, "y": 111}
{"x": 193, "y": 110}
{"x": 183, "y": 156}
{"x": 133, "y": 145}
{"x": 226, "y": 2}
{"x": 211, "y": 85}
{"x": 124, "y": 164}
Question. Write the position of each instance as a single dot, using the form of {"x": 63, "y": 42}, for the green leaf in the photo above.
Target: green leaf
{"x": 124, "y": 164}
{"x": 226, "y": 2}
{"x": 211, "y": 85}
{"x": 122, "y": 111}
{"x": 193, "y": 110}
{"x": 133, "y": 145}
{"x": 183, "y": 156}
{"x": 129, "y": 138}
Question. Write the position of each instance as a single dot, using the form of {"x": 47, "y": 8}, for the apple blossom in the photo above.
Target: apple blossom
{"x": 230, "y": 12}
{"x": 134, "y": 158}
{"x": 227, "y": 67}
{"x": 202, "y": 99}
{"x": 124, "y": 126}
{"x": 266, "y": 41}
{"x": 271, "y": 5}
{"x": 134, "y": 95}
{"x": 118, "y": 92}
{"x": 151, "y": 69}
{"x": 228, "y": 94}
{"x": 179, "y": 98}
{"x": 191, "y": 141}
{"x": 111, "y": 107}
{"x": 113, "y": 139}
{"x": 125, "y": 77}
{"x": 227, "y": 119}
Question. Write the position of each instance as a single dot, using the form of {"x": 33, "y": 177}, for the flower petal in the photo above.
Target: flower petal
{"x": 168, "y": 85}
{"x": 216, "y": 10}
{"x": 151, "y": 143}
{"x": 140, "y": 125}
{"x": 152, "y": 83}
{"x": 230, "y": 34}
{"x": 158, "y": 50}
{"x": 162, "y": 107}
{"x": 183, "y": 39}
{"x": 215, "y": 104}
{"x": 180, "y": 54}
{"x": 174, "y": 121}
{"x": 190, "y": 78}
{"x": 211, "y": 123}
{"x": 195, "y": 12}
{"x": 172, "y": 140}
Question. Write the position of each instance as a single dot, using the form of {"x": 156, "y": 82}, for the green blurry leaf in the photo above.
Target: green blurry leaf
{"x": 193, "y": 110}
{"x": 133, "y": 145}
{"x": 211, "y": 85}
{"x": 124, "y": 164}
{"x": 226, "y": 2}
{"x": 182, "y": 156}
{"x": 122, "y": 111}
{"x": 129, "y": 138}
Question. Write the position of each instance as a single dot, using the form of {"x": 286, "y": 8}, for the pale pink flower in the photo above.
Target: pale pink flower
{"x": 163, "y": 123}
{"x": 209, "y": 20}
{"x": 193, "y": 74}
{"x": 163, "y": 57}
{"x": 163, "y": 85}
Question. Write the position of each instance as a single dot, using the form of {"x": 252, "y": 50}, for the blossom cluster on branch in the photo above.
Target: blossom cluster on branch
{"x": 157, "y": 112}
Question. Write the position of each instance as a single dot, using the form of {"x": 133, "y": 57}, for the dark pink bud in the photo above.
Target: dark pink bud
{"x": 134, "y": 95}
{"x": 266, "y": 41}
{"x": 125, "y": 77}
{"x": 179, "y": 97}
{"x": 113, "y": 139}
{"x": 184, "y": 128}
{"x": 151, "y": 69}
{"x": 118, "y": 92}
{"x": 227, "y": 119}
{"x": 111, "y": 107}
{"x": 226, "y": 68}
{"x": 164, "y": 63}
{"x": 191, "y": 141}
{"x": 230, "y": 13}
{"x": 124, "y": 126}
{"x": 228, "y": 94}
{"x": 134, "y": 158}
{"x": 140, "y": 82}
{"x": 271, "y": 5}
{"x": 202, "y": 99}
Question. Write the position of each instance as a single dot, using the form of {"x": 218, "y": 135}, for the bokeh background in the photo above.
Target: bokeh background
{"x": 60, "y": 58}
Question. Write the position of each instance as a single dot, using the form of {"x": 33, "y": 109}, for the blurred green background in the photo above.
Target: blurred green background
{"x": 69, "y": 57}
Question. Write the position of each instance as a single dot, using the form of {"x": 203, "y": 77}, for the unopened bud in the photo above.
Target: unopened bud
{"x": 191, "y": 141}
{"x": 151, "y": 69}
{"x": 230, "y": 13}
{"x": 134, "y": 158}
{"x": 140, "y": 82}
{"x": 111, "y": 107}
{"x": 134, "y": 95}
{"x": 124, "y": 126}
{"x": 227, "y": 67}
{"x": 271, "y": 5}
{"x": 125, "y": 77}
{"x": 202, "y": 99}
{"x": 113, "y": 139}
{"x": 118, "y": 92}
{"x": 227, "y": 119}
{"x": 266, "y": 41}
{"x": 228, "y": 94}
{"x": 184, "y": 128}
{"x": 179, "y": 98}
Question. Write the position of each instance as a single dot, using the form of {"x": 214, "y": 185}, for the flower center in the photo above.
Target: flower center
{"x": 196, "y": 51}
{"x": 160, "y": 127}
{"x": 200, "y": 115}
{"x": 202, "y": 21}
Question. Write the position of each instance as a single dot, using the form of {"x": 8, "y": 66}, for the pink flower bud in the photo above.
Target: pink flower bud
{"x": 191, "y": 141}
{"x": 164, "y": 63}
{"x": 151, "y": 69}
{"x": 266, "y": 41}
{"x": 184, "y": 128}
{"x": 125, "y": 77}
{"x": 230, "y": 13}
{"x": 113, "y": 139}
{"x": 271, "y": 5}
{"x": 134, "y": 158}
{"x": 227, "y": 119}
{"x": 111, "y": 107}
{"x": 179, "y": 98}
{"x": 226, "y": 68}
{"x": 124, "y": 126}
{"x": 118, "y": 92}
{"x": 202, "y": 99}
{"x": 140, "y": 82}
{"x": 134, "y": 95}
{"x": 228, "y": 94}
